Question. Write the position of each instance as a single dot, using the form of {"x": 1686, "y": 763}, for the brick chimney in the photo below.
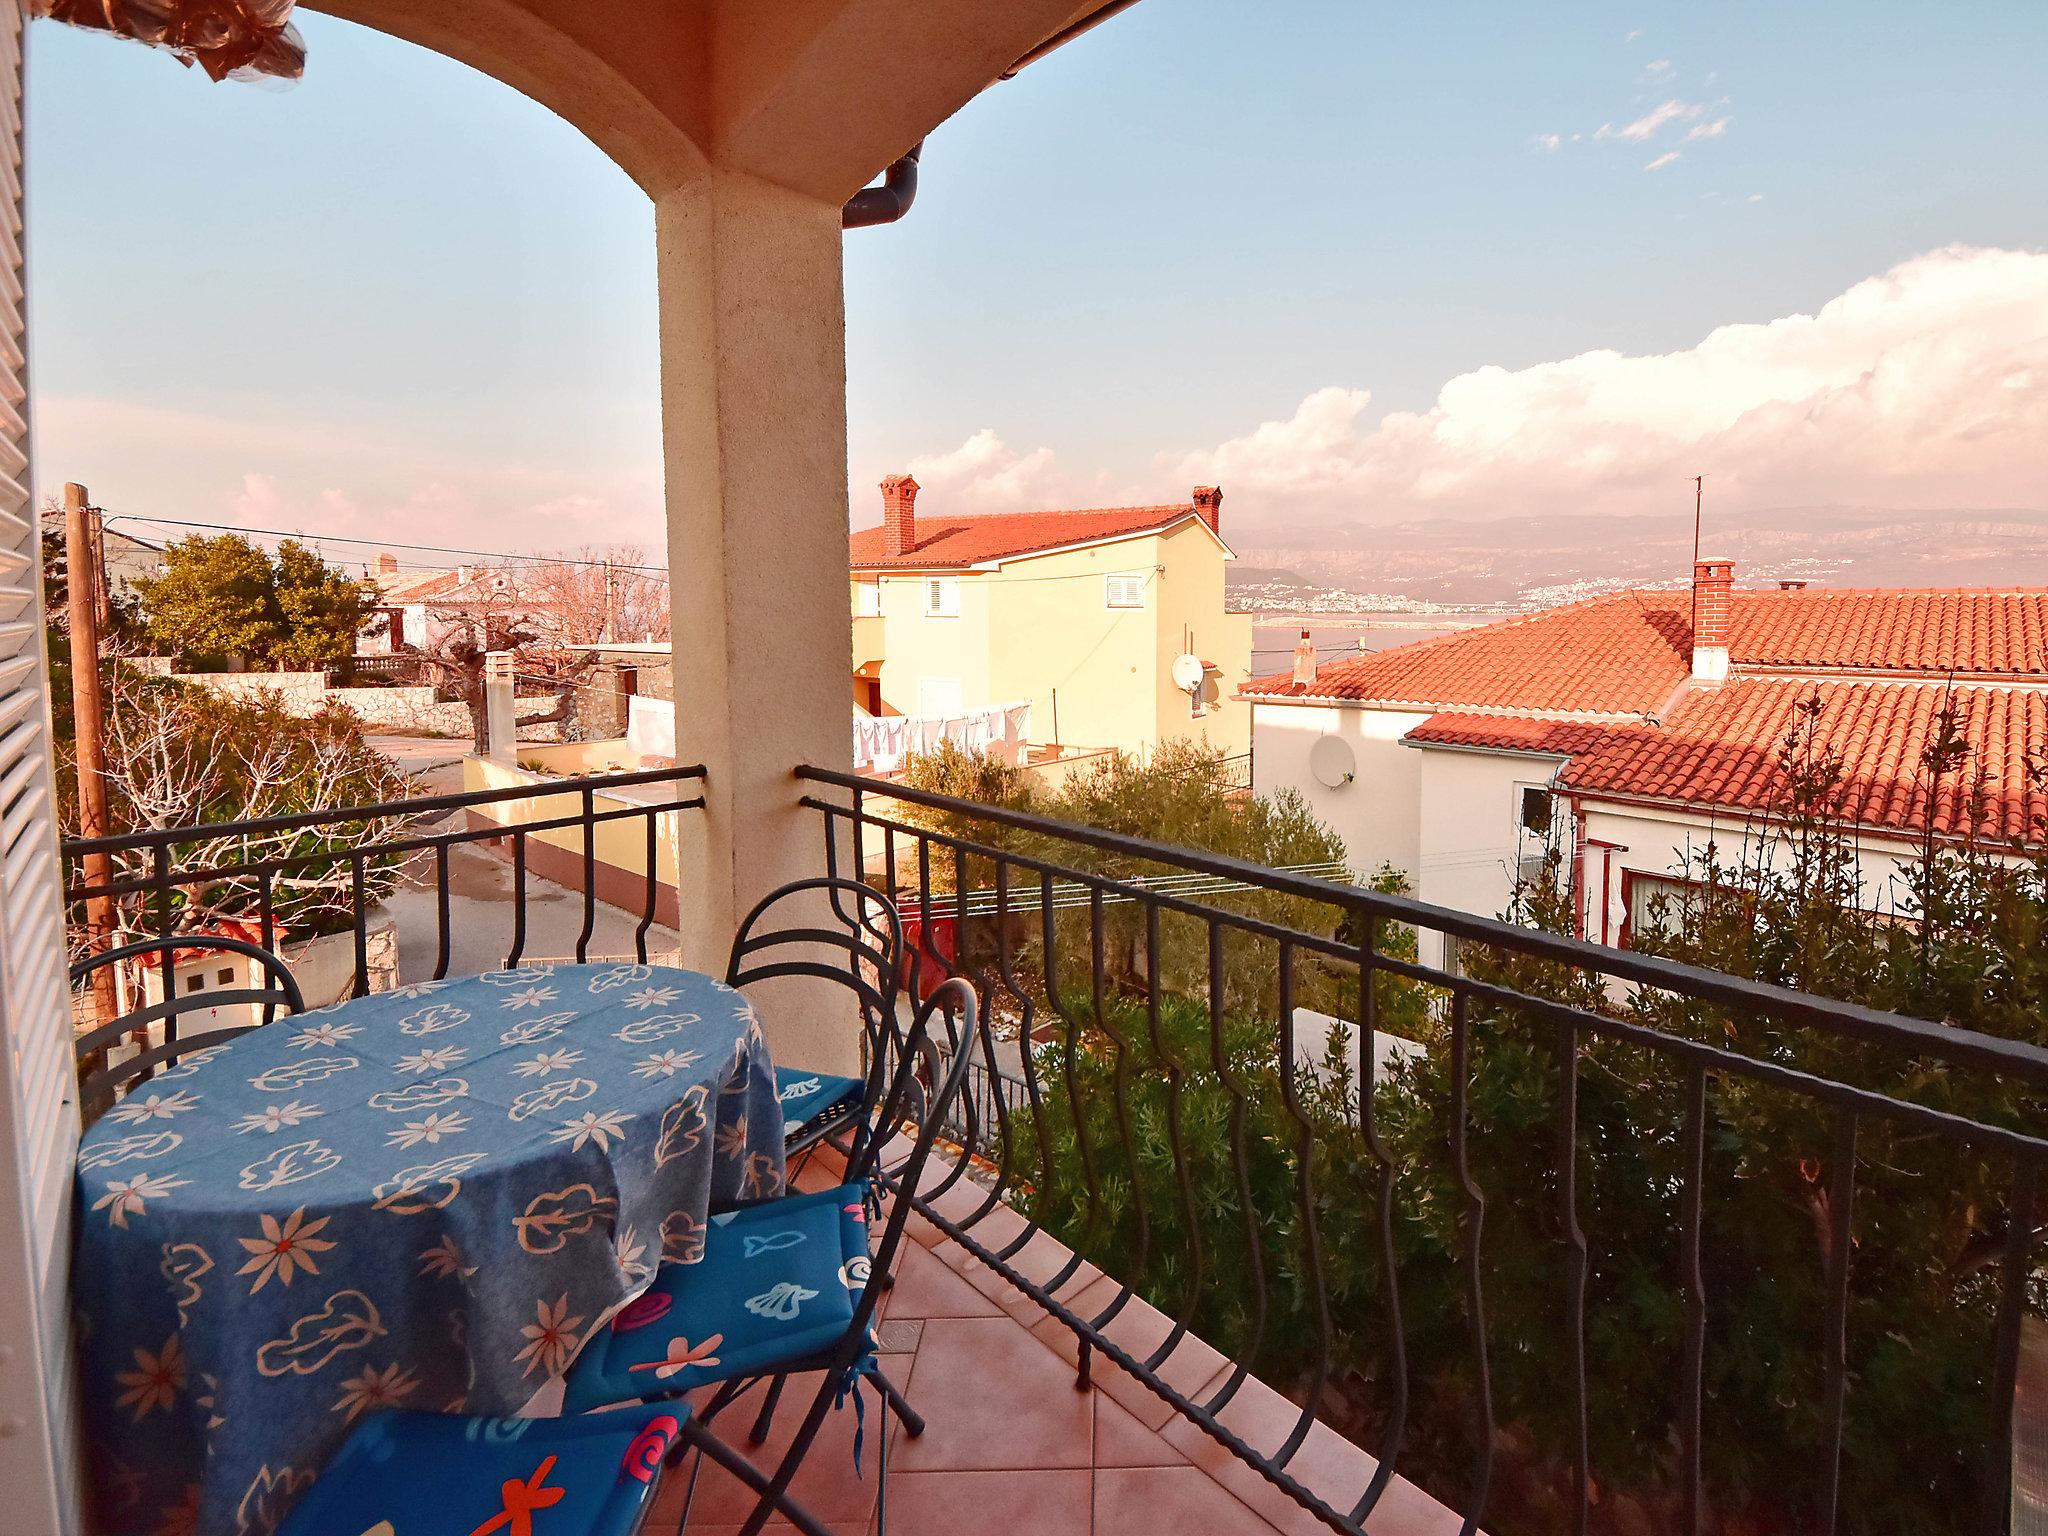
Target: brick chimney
{"x": 1304, "y": 660}
{"x": 1792, "y": 584}
{"x": 899, "y": 516}
{"x": 1713, "y": 583}
{"x": 1209, "y": 507}
{"x": 387, "y": 564}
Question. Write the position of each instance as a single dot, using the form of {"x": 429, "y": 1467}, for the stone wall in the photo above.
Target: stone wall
{"x": 409, "y": 710}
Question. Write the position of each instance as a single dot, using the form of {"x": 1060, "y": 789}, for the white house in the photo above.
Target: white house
{"x": 1630, "y": 731}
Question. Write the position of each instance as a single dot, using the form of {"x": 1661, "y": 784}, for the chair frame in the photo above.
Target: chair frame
{"x": 873, "y": 937}
{"x": 842, "y": 1361}
{"x": 282, "y": 990}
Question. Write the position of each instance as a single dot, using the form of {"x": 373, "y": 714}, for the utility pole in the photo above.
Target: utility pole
{"x": 609, "y": 603}
{"x": 84, "y": 582}
{"x": 1699, "y": 486}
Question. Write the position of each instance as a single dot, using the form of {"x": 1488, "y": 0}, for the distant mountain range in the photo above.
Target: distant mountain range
{"x": 1535, "y": 561}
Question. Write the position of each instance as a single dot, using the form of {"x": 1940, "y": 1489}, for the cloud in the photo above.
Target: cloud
{"x": 1547, "y": 142}
{"x": 1659, "y": 66}
{"x": 1924, "y": 386}
{"x": 1634, "y": 33}
{"x": 984, "y": 474}
{"x": 275, "y": 467}
{"x": 1662, "y": 160}
{"x": 1646, "y": 126}
{"x": 1712, "y": 130}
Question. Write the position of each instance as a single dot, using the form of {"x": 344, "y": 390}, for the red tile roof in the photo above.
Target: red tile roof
{"x": 1620, "y": 655}
{"x": 1722, "y": 747}
{"x": 947, "y": 543}
{"x": 1627, "y": 653}
{"x": 1898, "y": 629}
{"x": 1508, "y": 733}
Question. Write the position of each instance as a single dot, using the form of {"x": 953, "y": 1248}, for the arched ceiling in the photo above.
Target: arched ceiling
{"x": 814, "y": 95}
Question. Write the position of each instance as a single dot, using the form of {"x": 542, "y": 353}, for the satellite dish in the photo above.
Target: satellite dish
{"x": 1332, "y": 762}
{"x": 1187, "y": 672}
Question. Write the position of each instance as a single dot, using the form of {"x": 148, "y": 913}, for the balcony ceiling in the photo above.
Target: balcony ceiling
{"x": 814, "y": 95}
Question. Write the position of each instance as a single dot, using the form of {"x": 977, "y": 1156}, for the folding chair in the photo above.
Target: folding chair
{"x": 786, "y": 1286}
{"x": 102, "y": 1084}
{"x": 869, "y": 961}
{"x": 399, "y": 1472}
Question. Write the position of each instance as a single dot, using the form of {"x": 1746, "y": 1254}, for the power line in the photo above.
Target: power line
{"x": 381, "y": 544}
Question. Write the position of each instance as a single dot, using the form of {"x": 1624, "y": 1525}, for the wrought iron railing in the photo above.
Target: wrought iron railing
{"x": 1145, "y": 1097}
{"x": 175, "y": 881}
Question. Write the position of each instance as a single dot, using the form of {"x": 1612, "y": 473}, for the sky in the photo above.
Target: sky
{"x": 1355, "y": 262}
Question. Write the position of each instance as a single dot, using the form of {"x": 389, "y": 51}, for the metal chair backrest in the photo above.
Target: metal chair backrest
{"x": 864, "y": 953}
{"x": 928, "y": 1076}
{"x": 280, "y": 990}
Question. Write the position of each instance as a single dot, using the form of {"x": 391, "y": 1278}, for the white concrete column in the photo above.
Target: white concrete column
{"x": 501, "y": 707}
{"x": 753, "y": 357}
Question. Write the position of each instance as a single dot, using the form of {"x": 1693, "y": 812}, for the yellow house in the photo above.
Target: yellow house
{"x": 1109, "y": 622}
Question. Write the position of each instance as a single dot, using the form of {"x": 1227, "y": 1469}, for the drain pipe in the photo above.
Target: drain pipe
{"x": 888, "y": 202}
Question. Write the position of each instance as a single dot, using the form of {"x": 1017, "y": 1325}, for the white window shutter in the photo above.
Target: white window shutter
{"x": 38, "y": 1095}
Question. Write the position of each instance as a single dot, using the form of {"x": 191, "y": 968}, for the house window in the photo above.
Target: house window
{"x": 1124, "y": 589}
{"x": 942, "y": 597}
{"x": 195, "y": 983}
{"x": 867, "y": 599}
{"x": 224, "y": 977}
{"x": 1536, "y": 809}
{"x": 1655, "y": 902}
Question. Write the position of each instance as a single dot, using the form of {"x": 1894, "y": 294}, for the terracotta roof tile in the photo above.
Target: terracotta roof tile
{"x": 1723, "y": 747}
{"x": 945, "y": 543}
{"x": 1508, "y": 733}
{"x": 1620, "y": 655}
{"x": 1625, "y": 654}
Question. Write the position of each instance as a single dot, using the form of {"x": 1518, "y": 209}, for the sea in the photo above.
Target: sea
{"x": 1337, "y": 636}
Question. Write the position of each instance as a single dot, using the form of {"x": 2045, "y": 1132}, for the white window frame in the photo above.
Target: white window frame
{"x": 867, "y": 599}
{"x": 941, "y": 597}
{"x": 1131, "y": 586}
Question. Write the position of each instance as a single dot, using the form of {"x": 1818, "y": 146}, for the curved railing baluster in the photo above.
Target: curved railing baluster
{"x": 1175, "y": 1071}
{"x": 1575, "y": 1268}
{"x": 1254, "y": 1234}
{"x": 1475, "y": 1225}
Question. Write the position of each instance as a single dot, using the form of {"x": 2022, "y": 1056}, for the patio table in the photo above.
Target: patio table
{"x": 422, "y": 1198}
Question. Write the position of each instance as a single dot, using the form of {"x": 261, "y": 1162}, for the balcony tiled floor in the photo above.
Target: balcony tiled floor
{"x": 1011, "y": 1444}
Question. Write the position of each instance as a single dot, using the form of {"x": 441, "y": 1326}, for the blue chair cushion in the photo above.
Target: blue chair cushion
{"x": 433, "y": 1472}
{"x": 807, "y": 1096}
{"x": 778, "y": 1281}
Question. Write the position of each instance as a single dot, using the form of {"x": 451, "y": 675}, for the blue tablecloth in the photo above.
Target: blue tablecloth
{"x": 423, "y": 1198}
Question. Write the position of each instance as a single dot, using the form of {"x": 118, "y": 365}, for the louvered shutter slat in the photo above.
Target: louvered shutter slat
{"x": 38, "y": 1094}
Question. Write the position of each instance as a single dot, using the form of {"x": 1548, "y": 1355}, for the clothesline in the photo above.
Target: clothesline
{"x": 1028, "y": 896}
{"x": 882, "y": 742}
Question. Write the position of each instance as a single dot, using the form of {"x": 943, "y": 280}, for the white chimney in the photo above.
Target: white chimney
{"x": 464, "y": 574}
{"x": 1304, "y": 661}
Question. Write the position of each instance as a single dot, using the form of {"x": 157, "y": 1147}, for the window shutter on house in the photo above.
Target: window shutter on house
{"x": 38, "y": 1097}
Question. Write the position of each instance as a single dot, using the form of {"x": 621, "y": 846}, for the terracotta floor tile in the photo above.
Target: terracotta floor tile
{"x": 1169, "y": 1501}
{"x": 1327, "y": 1464}
{"x": 995, "y": 1399}
{"x": 1140, "y": 1329}
{"x": 926, "y": 1287}
{"x": 1121, "y": 1441}
{"x": 970, "y": 1503}
{"x": 1040, "y": 1261}
{"x": 772, "y": 1528}
{"x": 827, "y": 1484}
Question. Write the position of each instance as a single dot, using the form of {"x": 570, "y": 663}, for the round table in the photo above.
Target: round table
{"x": 423, "y": 1198}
